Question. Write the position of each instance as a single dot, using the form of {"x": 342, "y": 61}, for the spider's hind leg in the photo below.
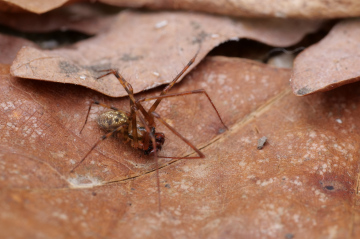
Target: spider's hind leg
{"x": 201, "y": 155}
{"x": 107, "y": 72}
{"x": 96, "y": 144}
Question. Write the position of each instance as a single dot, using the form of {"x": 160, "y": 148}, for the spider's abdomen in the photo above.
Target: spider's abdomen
{"x": 111, "y": 120}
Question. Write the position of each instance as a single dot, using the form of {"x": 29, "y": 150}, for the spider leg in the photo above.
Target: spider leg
{"x": 134, "y": 125}
{"x": 98, "y": 142}
{"x": 106, "y": 70}
{"x": 96, "y": 103}
{"x": 201, "y": 91}
{"x": 201, "y": 155}
{"x": 152, "y": 137}
{"x": 172, "y": 83}
{"x": 128, "y": 88}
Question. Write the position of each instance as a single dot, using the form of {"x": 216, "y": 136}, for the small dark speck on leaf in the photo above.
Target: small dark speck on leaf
{"x": 195, "y": 25}
{"x": 94, "y": 193}
{"x": 222, "y": 130}
{"x": 329, "y": 187}
{"x": 304, "y": 91}
{"x": 289, "y": 236}
{"x": 261, "y": 142}
{"x": 132, "y": 189}
{"x": 67, "y": 67}
{"x": 128, "y": 57}
{"x": 167, "y": 185}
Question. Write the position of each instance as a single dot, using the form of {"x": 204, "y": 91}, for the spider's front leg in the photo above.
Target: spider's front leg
{"x": 147, "y": 137}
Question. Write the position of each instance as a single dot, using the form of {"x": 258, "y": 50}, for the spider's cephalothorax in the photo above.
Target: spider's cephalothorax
{"x": 159, "y": 140}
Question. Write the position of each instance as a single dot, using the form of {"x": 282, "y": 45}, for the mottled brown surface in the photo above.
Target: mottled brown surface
{"x": 332, "y": 62}
{"x": 86, "y": 18}
{"x": 314, "y": 9}
{"x": 303, "y": 183}
{"x": 148, "y": 53}
{"x": 36, "y": 6}
{"x": 9, "y": 46}
{"x": 253, "y": 8}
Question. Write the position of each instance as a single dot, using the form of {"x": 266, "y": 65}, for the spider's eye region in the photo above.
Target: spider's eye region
{"x": 160, "y": 138}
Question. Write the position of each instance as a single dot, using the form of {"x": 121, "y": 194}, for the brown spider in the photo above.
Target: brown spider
{"x": 142, "y": 134}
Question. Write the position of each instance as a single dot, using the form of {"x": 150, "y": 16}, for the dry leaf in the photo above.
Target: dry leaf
{"x": 72, "y": 118}
{"x": 36, "y": 6}
{"x": 250, "y": 8}
{"x": 253, "y": 8}
{"x": 78, "y": 17}
{"x": 332, "y": 62}
{"x": 303, "y": 183}
{"x": 9, "y": 46}
{"x": 149, "y": 48}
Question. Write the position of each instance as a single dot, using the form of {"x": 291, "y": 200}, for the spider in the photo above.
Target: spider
{"x": 138, "y": 126}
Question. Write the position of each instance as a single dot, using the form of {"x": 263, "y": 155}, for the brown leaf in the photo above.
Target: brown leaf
{"x": 78, "y": 17}
{"x": 330, "y": 63}
{"x": 250, "y": 8}
{"x": 172, "y": 39}
{"x": 9, "y": 47}
{"x": 36, "y": 6}
{"x": 73, "y": 118}
{"x": 305, "y": 176}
